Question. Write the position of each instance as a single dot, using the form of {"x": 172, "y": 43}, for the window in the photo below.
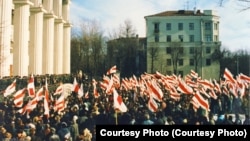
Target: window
{"x": 208, "y": 26}
{"x": 168, "y": 49}
{"x": 215, "y": 26}
{"x": 168, "y": 26}
{"x": 181, "y": 38}
{"x": 168, "y": 38}
{"x": 180, "y": 62}
{"x": 208, "y": 62}
{"x": 208, "y": 50}
{"x": 191, "y": 38}
{"x": 208, "y": 38}
{"x": 191, "y": 50}
{"x": 191, "y": 62}
{"x": 191, "y": 26}
{"x": 156, "y": 38}
{"x": 180, "y": 26}
{"x": 216, "y": 38}
{"x": 156, "y": 27}
{"x": 169, "y": 62}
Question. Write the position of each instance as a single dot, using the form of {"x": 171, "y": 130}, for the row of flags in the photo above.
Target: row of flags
{"x": 151, "y": 85}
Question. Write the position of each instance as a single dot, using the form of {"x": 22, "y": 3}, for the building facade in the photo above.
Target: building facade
{"x": 128, "y": 54}
{"x": 184, "y": 40}
{"x": 34, "y": 37}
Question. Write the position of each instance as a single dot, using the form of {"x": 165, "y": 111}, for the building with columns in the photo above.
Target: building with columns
{"x": 34, "y": 37}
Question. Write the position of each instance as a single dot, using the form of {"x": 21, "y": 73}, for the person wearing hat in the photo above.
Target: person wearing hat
{"x": 74, "y": 128}
{"x": 64, "y": 132}
{"x": 54, "y": 136}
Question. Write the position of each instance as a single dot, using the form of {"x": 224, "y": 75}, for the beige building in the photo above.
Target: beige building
{"x": 180, "y": 41}
{"x": 34, "y": 37}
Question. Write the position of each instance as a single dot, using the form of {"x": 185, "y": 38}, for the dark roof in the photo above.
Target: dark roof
{"x": 178, "y": 13}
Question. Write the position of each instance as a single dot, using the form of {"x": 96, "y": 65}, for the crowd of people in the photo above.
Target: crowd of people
{"x": 78, "y": 120}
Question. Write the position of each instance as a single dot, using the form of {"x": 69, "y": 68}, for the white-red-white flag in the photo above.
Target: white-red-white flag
{"x": 46, "y": 100}
{"x": 10, "y": 89}
{"x": 152, "y": 105}
{"x": 40, "y": 94}
{"x": 80, "y": 92}
{"x": 95, "y": 92}
{"x": 118, "y": 103}
{"x": 201, "y": 101}
{"x": 244, "y": 77}
{"x": 229, "y": 76}
{"x": 60, "y": 104}
{"x": 59, "y": 90}
{"x": 76, "y": 86}
{"x": 184, "y": 88}
{"x": 18, "y": 97}
{"x": 112, "y": 70}
{"x": 31, "y": 87}
{"x": 30, "y": 106}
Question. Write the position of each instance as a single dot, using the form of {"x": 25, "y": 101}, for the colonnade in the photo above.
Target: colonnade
{"x": 34, "y": 37}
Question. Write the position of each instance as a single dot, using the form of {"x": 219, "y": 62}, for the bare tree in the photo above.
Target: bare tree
{"x": 89, "y": 44}
{"x": 197, "y": 57}
{"x": 153, "y": 53}
{"x": 122, "y": 48}
{"x": 127, "y": 29}
{"x": 176, "y": 51}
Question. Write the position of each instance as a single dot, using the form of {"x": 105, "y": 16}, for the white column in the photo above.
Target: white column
{"x": 58, "y": 46}
{"x": 48, "y": 5}
{"x": 66, "y": 10}
{"x": 48, "y": 43}
{"x": 5, "y": 37}
{"x": 21, "y": 37}
{"x": 36, "y": 40}
{"x": 57, "y": 8}
{"x": 66, "y": 37}
{"x": 66, "y": 48}
{"x": 36, "y": 3}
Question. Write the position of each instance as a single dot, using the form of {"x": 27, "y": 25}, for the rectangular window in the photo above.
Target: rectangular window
{"x": 215, "y": 26}
{"x": 156, "y": 27}
{"x": 180, "y": 26}
{"x": 168, "y": 26}
{"x": 169, "y": 62}
{"x": 191, "y": 38}
{"x": 168, "y": 50}
{"x": 208, "y": 38}
{"x": 180, "y": 62}
{"x": 216, "y": 38}
{"x": 191, "y": 26}
{"x": 208, "y": 50}
{"x": 191, "y": 62}
{"x": 157, "y": 38}
{"x": 168, "y": 38}
{"x": 208, "y": 62}
{"x": 208, "y": 26}
{"x": 191, "y": 50}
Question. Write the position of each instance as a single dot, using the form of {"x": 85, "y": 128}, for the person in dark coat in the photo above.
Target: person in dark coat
{"x": 64, "y": 132}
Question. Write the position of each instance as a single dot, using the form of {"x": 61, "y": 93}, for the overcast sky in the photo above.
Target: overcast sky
{"x": 234, "y": 24}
